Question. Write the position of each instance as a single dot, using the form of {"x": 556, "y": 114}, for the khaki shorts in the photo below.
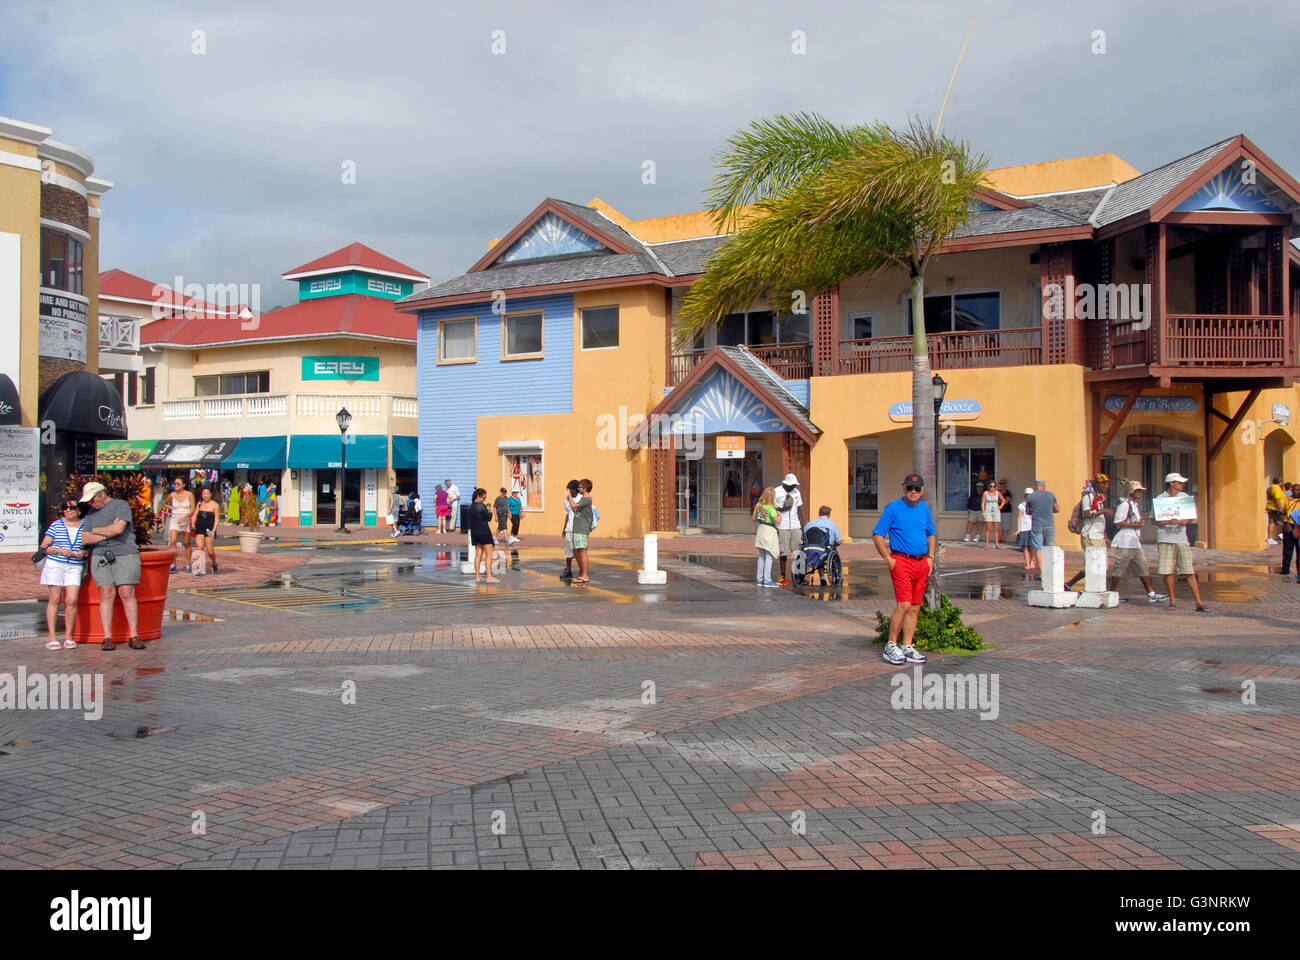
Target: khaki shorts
{"x": 568, "y": 546}
{"x": 1087, "y": 542}
{"x": 791, "y": 541}
{"x": 124, "y": 571}
{"x": 1130, "y": 562}
{"x": 1176, "y": 558}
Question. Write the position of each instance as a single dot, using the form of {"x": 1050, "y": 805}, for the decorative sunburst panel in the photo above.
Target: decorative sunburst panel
{"x": 551, "y": 236}
{"x": 1230, "y": 190}
{"x": 722, "y": 404}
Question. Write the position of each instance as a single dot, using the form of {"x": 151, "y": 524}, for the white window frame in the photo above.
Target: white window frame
{"x": 528, "y": 448}
{"x": 853, "y": 447}
{"x": 952, "y": 295}
{"x": 582, "y": 327}
{"x": 871, "y": 315}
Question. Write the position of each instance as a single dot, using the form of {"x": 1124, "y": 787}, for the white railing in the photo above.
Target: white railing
{"x": 268, "y": 405}
{"x": 182, "y": 409}
{"x": 328, "y": 404}
{"x": 119, "y": 334}
{"x": 369, "y": 405}
{"x": 223, "y": 407}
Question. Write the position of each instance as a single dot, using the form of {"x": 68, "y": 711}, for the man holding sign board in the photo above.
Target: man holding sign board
{"x": 1172, "y": 512}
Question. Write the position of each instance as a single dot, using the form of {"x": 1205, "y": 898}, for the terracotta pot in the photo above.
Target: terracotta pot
{"x": 150, "y": 596}
{"x": 249, "y": 541}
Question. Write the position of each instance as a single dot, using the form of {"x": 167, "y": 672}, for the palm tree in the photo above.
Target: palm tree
{"x": 810, "y": 203}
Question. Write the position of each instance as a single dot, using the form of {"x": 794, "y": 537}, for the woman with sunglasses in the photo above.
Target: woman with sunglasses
{"x": 62, "y": 571}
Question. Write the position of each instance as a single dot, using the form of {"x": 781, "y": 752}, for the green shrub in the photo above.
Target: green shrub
{"x": 936, "y": 630}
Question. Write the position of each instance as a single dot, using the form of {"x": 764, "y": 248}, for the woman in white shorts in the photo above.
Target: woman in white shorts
{"x": 180, "y": 502}
{"x": 62, "y": 571}
{"x": 992, "y": 516}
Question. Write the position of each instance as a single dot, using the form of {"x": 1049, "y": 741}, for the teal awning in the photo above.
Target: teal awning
{"x": 257, "y": 453}
{"x": 406, "y": 453}
{"x": 315, "y": 452}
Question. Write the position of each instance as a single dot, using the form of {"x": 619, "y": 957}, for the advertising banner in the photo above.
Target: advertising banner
{"x": 20, "y": 467}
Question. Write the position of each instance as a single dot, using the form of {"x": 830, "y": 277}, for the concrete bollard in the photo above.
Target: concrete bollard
{"x": 1095, "y": 593}
{"x": 650, "y": 572}
{"x": 1053, "y": 593}
{"x": 467, "y": 565}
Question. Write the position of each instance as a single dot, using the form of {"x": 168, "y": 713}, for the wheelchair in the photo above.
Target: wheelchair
{"x": 816, "y": 554}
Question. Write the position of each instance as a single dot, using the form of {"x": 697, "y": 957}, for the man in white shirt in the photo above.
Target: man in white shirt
{"x": 789, "y": 530}
{"x": 571, "y": 488}
{"x": 453, "y": 501}
{"x": 1175, "y": 552}
{"x": 1129, "y": 558}
{"x": 1093, "y": 532}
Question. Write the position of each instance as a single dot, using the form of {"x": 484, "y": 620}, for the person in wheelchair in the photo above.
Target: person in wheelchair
{"x": 410, "y": 518}
{"x": 821, "y": 540}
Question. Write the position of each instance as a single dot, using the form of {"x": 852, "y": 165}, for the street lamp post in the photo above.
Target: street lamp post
{"x": 344, "y": 420}
{"x": 939, "y": 387}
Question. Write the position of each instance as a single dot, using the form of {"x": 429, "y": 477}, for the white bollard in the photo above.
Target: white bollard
{"x": 1053, "y": 593}
{"x": 1095, "y": 593}
{"x": 650, "y": 572}
{"x": 467, "y": 566}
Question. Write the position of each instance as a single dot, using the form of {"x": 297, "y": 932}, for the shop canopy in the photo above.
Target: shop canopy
{"x": 406, "y": 453}
{"x": 81, "y": 402}
{"x": 11, "y": 411}
{"x": 316, "y": 452}
{"x": 258, "y": 453}
{"x": 190, "y": 454}
{"x": 122, "y": 454}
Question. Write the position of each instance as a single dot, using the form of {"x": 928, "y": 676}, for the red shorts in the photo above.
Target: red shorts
{"x": 909, "y": 578}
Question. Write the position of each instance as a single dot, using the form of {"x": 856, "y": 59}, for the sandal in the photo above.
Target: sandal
{"x": 135, "y": 643}
{"x": 53, "y": 645}
{"x": 108, "y": 644}
{"x": 580, "y": 580}
{"x": 491, "y": 580}
{"x": 69, "y": 644}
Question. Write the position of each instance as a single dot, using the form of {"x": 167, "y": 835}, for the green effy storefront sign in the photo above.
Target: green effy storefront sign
{"x": 340, "y": 368}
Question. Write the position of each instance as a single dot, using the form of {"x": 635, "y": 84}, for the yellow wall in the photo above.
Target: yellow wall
{"x": 1053, "y": 176}
{"x": 632, "y": 376}
{"x": 20, "y": 213}
{"x": 1022, "y": 406}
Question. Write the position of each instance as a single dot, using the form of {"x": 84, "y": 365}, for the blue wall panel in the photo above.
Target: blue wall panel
{"x": 452, "y": 397}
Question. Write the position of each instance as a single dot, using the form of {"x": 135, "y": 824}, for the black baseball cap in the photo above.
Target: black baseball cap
{"x": 913, "y": 480}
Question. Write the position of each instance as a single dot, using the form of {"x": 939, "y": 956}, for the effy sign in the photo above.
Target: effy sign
{"x": 340, "y": 368}
{"x": 901, "y": 412}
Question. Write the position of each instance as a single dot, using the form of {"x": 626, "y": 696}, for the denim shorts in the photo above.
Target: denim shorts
{"x": 1042, "y": 537}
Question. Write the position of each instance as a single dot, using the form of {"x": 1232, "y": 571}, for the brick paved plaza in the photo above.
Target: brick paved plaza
{"x": 508, "y": 727}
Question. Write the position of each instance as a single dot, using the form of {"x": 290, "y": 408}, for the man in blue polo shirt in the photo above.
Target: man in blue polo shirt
{"x": 910, "y": 552}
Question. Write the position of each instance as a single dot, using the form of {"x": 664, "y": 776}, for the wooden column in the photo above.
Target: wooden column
{"x": 825, "y": 332}
{"x": 1062, "y": 340}
{"x": 1155, "y": 277}
{"x": 662, "y": 488}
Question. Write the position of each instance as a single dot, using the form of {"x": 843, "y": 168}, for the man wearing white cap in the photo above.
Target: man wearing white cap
{"x": 1129, "y": 558}
{"x": 1175, "y": 552}
{"x": 114, "y": 559}
{"x": 788, "y": 529}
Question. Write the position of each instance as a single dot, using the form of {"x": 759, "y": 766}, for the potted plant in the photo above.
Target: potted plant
{"x": 250, "y": 538}
{"x": 151, "y": 592}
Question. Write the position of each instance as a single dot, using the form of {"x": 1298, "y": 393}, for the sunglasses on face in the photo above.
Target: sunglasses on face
{"x": 911, "y": 489}
{"x": 72, "y": 507}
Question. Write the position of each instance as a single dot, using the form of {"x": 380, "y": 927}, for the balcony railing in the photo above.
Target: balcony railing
{"x": 965, "y": 349}
{"x": 790, "y": 361}
{"x": 1238, "y": 341}
{"x": 119, "y": 334}
{"x": 253, "y": 405}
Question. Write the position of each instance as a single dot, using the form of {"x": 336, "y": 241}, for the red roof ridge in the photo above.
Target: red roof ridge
{"x": 357, "y": 255}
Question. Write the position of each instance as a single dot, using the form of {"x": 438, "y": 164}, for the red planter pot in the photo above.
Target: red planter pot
{"x": 150, "y": 598}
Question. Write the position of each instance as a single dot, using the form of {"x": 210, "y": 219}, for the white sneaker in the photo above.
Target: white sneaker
{"x": 1272, "y": 542}
{"x": 1154, "y": 597}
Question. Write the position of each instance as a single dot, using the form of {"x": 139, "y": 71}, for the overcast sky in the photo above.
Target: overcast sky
{"x": 228, "y": 164}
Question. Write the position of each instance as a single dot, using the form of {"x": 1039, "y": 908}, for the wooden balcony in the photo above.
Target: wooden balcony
{"x": 792, "y": 361}
{"x": 1246, "y": 342}
{"x": 961, "y": 350}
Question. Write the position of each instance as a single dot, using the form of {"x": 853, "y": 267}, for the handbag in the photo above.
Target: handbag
{"x": 38, "y": 556}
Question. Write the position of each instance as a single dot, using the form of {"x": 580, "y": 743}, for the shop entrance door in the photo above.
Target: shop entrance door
{"x": 709, "y": 505}
{"x": 351, "y": 497}
{"x": 326, "y": 497}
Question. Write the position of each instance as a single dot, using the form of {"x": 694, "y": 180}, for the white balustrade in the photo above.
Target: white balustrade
{"x": 328, "y": 404}
{"x": 406, "y": 407}
{"x": 181, "y": 409}
{"x": 223, "y": 407}
{"x": 268, "y": 405}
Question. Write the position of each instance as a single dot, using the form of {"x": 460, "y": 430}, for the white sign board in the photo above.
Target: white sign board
{"x": 62, "y": 330}
{"x": 20, "y": 470}
{"x": 1180, "y": 507}
{"x": 306, "y": 489}
{"x": 11, "y": 262}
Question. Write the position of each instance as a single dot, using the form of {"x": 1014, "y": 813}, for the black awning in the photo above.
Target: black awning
{"x": 205, "y": 454}
{"x": 81, "y": 402}
{"x": 11, "y": 411}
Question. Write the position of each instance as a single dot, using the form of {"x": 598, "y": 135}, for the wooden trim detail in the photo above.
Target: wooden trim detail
{"x": 546, "y": 206}
{"x": 1232, "y": 425}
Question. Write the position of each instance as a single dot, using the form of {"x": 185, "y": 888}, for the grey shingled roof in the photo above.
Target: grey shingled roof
{"x": 988, "y": 222}
{"x": 1144, "y": 191}
{"x": 597, "y": 220}
{"x": 762, "y": 374}
{"x": 687, "y": 256}
{"x": 1078, "y": 206}
{"x": 534, "y": 273}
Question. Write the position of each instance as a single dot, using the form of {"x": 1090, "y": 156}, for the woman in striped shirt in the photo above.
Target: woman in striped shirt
{"x": 62, "y": 571}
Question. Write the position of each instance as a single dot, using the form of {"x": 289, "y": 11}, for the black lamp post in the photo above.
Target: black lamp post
{"x": 344, "y": 420}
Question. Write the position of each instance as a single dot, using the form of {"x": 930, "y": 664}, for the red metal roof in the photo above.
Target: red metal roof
{"x": 360, "y": 256}
{"x": 127, "y": 286}
{"x": 348, "y": 315}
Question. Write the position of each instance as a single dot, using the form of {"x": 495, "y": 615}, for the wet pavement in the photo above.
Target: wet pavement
{"x": 372, "y": 707}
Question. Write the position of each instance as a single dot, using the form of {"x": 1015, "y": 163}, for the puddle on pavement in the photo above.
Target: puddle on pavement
{"x": 1225, "y": 691}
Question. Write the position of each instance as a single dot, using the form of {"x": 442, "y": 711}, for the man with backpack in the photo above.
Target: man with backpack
{"x": 1129, "y": 558}
{"x": 1088, "y": 520}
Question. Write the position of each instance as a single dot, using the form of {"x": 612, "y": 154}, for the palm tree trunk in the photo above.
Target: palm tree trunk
{"x": 923, "y": 420}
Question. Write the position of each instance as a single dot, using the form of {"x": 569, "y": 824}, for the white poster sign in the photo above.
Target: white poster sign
{"x": 62, "y": 330}
{"x": 11, "y": 264}
{"x": 20, "y": 466}
{"x": 306, "y": 489}
{"x": 370, "y": 482}
{"x": 1180, "y": 507}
